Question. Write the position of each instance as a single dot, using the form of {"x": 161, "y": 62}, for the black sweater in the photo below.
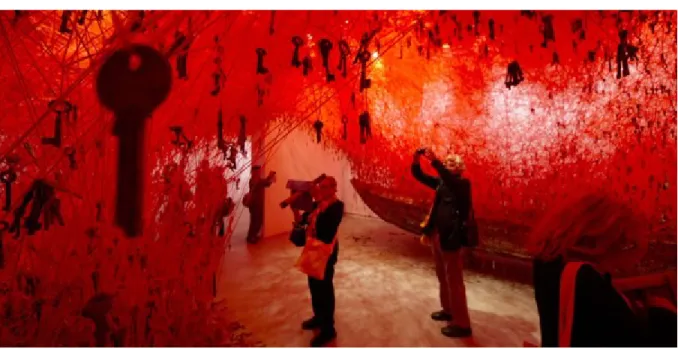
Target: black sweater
{"x": 257, "y": 186}
{"x": 451, "y": 206}
{"x": 327, "y": 224}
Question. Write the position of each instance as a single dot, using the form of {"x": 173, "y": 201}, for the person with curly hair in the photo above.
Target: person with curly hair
{"x": 575, "y": 247}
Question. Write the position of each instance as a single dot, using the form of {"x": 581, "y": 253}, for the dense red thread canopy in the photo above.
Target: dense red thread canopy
{"x": 438, "y": 79}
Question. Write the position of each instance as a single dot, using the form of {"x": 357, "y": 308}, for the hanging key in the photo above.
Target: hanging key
{"x": 70, "y": 153}
{"x": 476, "y": 23}
{"x": 132, "y": 83}
{"x": 365, "y": 128}
{"x": 325, "y": 48}
{"x": 344, "y": 51}
{"x": 82, "y": 18}
{"x": 271, "y": 24}
{"x": 180, "y": 139}
{"x": 242, "y": 135}
{"x": 365, "y": 83}
{"x": 318, "y": 126}
{"x": 56, "y": 140}
{"x": 65, "y": 18}
{"x": 261, "y": 69}
{"x": 307, "y": 65}
{"x": 297, "y": 42}
{"x": 547, "y": 31}
{"x": 8, "y": 177}
{"x": 221, "y": 144}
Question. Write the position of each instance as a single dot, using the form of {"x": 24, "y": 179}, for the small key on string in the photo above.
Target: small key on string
{"x": 65, "y": 18}
{"x": 297, "y": 42}
{"x": 271, "y": 24}
{"x": 70, "y": 153}
{"x": 132, "y": 83}
{"x": 365, "y": 83}
{"x": 83, "y": 17}
{"x": 8, "y": 177}
{"x": 325, "y": 48}
{"x": 261, "y": 69}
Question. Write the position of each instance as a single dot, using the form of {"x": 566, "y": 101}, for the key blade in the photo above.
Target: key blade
{"x": 131, "y": 134}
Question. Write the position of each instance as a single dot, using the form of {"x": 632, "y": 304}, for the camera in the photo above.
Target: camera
{"x": 300, "y": 193}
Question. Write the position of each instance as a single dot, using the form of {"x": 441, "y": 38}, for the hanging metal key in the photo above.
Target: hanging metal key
{"x": 132, "y": 83}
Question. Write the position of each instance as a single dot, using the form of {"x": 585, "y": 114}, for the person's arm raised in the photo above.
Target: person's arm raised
{"x": 419, "y": 175}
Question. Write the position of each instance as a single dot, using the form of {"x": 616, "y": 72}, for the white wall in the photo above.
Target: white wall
{"x": 299, "y": 157}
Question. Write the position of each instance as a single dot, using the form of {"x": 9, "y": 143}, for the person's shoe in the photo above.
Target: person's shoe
{"x": 310, "y": 324}
{"x": 441, "y": 316}
{"x": 323, "y": 338}
{"x": 456, "y": 331}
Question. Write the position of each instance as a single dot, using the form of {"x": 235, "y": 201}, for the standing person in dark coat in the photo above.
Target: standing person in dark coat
{"x": 444, "y": 231}
{"x": 326, "y": 216}
{"x": 254, "y": 200}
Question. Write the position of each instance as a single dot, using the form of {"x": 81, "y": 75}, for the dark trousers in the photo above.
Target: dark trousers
{"x": 256, "y": 221}
{"x": 450, "y": 274}
{"x": 322, "y": 297}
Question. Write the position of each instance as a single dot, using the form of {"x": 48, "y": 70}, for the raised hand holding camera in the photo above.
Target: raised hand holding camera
{"x": 425, "y": 152}
{"x": 429, "y": 154}
{"x": 418, "y": 154}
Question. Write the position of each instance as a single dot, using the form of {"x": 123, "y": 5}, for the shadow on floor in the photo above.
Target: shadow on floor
{"x": 385, "y": 287}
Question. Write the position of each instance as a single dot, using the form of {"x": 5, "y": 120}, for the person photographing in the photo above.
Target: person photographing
{"x": 445, "y": 229}
{"x": 320, "y": 256}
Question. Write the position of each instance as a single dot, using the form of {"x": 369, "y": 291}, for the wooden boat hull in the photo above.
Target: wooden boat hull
{"x": 501, "y": 251}
{"x": 496, "y": 236}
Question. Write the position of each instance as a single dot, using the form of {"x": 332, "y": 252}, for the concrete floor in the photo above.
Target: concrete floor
{"x": 385, "y": 289}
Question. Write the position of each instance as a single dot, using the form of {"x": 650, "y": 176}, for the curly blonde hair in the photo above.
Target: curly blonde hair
{"x": 596, "y": 227}
{"x": 454, "y": 161}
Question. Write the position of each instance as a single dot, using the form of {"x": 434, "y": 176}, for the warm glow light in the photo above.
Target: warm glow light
{"x": 375, "y": 55}
{"x": 446, "y": 46}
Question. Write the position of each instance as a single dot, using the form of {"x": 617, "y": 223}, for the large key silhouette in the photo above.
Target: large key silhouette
{"x": 132, "y": 83}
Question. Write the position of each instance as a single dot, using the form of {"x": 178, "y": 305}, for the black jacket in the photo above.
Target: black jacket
{"x": 327, "y": 224}
{"x": 257, "y": 186}
{"x": 451, "y": 206}
{"x": 601, "y": 316}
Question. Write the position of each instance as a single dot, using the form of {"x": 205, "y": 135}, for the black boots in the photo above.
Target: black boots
{"x": 456, "y": 332}
{"x": 450, "y": 330}
{"x": 441, "y": 316}
{"x": 324, "y": 337}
